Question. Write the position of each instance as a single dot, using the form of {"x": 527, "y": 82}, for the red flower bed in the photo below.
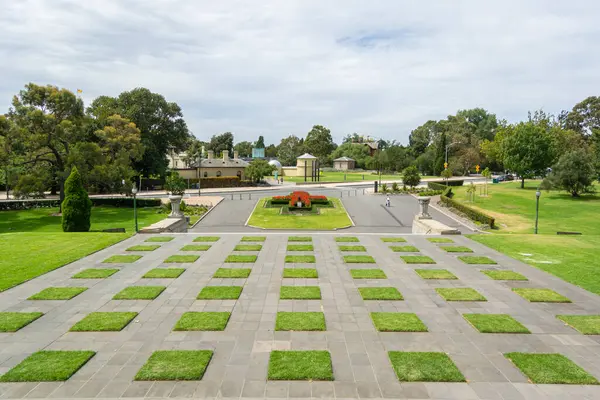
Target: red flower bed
{"x": 318, "y": 197}
{"x": 303, "y": 197}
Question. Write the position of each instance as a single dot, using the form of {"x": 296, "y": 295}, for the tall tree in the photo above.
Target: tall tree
{"x": 221, "y": 142}
{"x": 244, "y": 148}
{"x": 160, "y": 122}
{"x": 482, "y": 124}
{"x": 585, "y": 116}
{"x": 51, "y": 121}
{"x": 9, "y": 153}
{"x": 260, "y": 143}
{"x": 319, "y": 143}
{"x": 573, "y": 172}
{"x": 194, "y": 151}
{"x": 289, "y": 149}
{"x": 271, "y": 151}
{"x": 421, "y": 137}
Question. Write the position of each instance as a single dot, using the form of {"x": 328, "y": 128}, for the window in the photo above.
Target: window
{"x": 239, "y": 174}
{"x": 176, "y": 164}
{"x": 218, "y": 173}
{"x": 205, "y": 174}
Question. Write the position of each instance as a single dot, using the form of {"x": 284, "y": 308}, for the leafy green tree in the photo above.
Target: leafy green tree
{"x": 482, "y": 124}
{"x": 440, "y": 154}
{"x": 77, "y": 206}
{"x": 260, "y": 143}
{"x": 160, "y": 122}
{"x": 50, "y": 121}
{"x": 175, "y": 184}
{"x": 574, "y": 172}
{"x": 446, "y": 174}
{"x": 271, "y": 151}
{"x": 528, "y": 150}
{"x": 9, "y": 153}
{"x": 421, "y": 138}
{"x": 194, "y": 151}
{"x": 319, "y": 143}
{"x": 258, "y": 169}
{"x": 411, "y": 177}
{"x": 360, "y": 154}
{"x": 289, "y": 149}
{"x": 585, "y": 116}
{"x": 244, "y": 148}
{"x": 221, "y": 142}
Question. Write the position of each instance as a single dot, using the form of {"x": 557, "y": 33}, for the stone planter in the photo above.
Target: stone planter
{"x": 175, "y": 207}
{"x": 424, "y": 205}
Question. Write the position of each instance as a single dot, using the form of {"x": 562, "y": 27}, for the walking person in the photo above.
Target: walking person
{"x": 387, "y": 202}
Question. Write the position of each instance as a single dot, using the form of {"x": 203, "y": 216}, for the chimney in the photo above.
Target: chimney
{"x": 225, "y": 155}
{"x": 236, "y": 155}
{"x": 211, "y": 154}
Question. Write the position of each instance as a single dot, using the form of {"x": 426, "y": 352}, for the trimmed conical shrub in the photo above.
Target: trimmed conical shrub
{"x": 77, "y": 206}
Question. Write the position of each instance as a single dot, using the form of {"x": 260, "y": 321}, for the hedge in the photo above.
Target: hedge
{"x": 436, "y": 186}
{"x": 96, "y": 201}
{"x": 443, "y": 183}
{"x": 473, "y": 214}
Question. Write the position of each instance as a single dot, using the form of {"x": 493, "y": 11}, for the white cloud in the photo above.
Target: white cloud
{"x": 278, "y": 67}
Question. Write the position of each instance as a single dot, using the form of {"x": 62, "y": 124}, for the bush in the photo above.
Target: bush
{"x": 77, "y": 206}
{"x": 13, "y": 205}
{"x": 436, "y": 186}
{"x": 395, "y": 187}
{"x": 384, "y": 188}
{"x": 411, "y": 176}
{"x": 471, "y": 213}
{"x": 175, "y": 184}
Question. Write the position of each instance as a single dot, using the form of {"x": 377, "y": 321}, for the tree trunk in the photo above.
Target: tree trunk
{"x": 62, "y": 194}
{"x": 574, "y": 194}
{"x": 522, "y": 183}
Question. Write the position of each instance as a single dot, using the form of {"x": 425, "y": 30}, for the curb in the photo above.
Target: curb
{"x": 206, "y": 213}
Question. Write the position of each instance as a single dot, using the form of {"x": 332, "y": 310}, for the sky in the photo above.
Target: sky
{"x": 278, "y": 67}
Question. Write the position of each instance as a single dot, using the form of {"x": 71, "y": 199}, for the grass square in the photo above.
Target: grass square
{"x": 95, "y": 273}
{"x": 139, "y": 293}
{"x": 300, "y": 259}
{"x": 585, "y": 324}
{"x": 299, "y": 239}
{"x": 202, "y": 321}
{"x": 352, "y": 248}
{"x": 254, "y": 238}
{"x": 104, "y": 322}
{"x": 195, "y": 247}
{"x": 367, "y": 274}
{"x": 233, "y": 258}
{"x": 460, "y": 294}
{"x": 397, "y": 322}
{"x": 207, "y": 239}
{"x": 121, "y": 259}
{"x": 300, "y": 321}
{"x": 346, "y": 239}
{"x": 48, "y": 366}
{"x": 175, "y": 365}
{"x": 248, "y": 247}
{"x": 359, "y": 260}
{"x": 393, "y": 240}
{"x": 159, "y": 239}
{"x": 300, "y": 247}
{"x": 232, "y": 273}
{"x": 477, "y": 260}
{"x": 178, "y": 259}
{"x": 551, "y": 368}
{"x": 440, "y": 240}
{"x": 456, "y": 249}
{"x": 495, "y": 323}
{"x": 150, "y": 247}
{"x": 58, "y": 293}
{"x": 435, "y": 274}
{"x": 169, "y": 273}
{"x": 380, "y": 293}
{"x": 424, "y": 367}
{"x": 404, "y": 249}
{"x": 541, "y": 295}
{"x": 13, "y": 321}
{"x": 300, "y": 293}
{"x": 300, "y": 273}
{"x": 220, "y": 293}
{"x": 418, "y": 260}
{"x": 300, "y": 366}
{"x": 505, "y": 275}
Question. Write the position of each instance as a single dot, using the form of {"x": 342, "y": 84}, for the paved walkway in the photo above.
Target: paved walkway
{"x": 238, "y": 368}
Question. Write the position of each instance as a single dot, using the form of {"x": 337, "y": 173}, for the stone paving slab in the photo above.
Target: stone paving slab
{"x": 241, "y": 352}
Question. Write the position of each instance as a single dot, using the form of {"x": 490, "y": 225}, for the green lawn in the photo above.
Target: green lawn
{"x": 58, "y": 293}
{"x": 300, "y": 365}
{"x": 541, "y": 295}
{"x": 573, "y": 258}
{"x": 551, "y": 368}
{"x": 13, "y": 321}
{"x": 585, "y": 324}
{"x": 300, "y": 259}
{"x": 393, "y": 240}
{"x": 159, "y": 239}
{"x": 48, "y": 366}
{"x": 424, "y": 367}
{"x": 299, "y": 239}
{"x": 300, "y": 293}
{"x": 300, "y": 273}
{"x": 253, "y": 239}
{"x": 103, "y": 217}
{"x": 240, "y": 258}
{"x": 196, "y": 247}
{"x": 220, "y": 293}
{"x": 380, "y": 293}
{"x": 175, "y": 365}
{"x": 417, "y": 259}
{"x": 435, "y": 274}
{"x": 460, "y": 294}
{"x": 327, "y": 219}
{"x": 404, "y": 249}
{"x": 352, "y": 176}
{"x": 207, "y": 239}
{"x": 122, "y": 259}
{"x": 151, "y": 247}
{"x": 139, "y": 293}
{"x": 514, "y": 209}
{"x": 93, "y": 273}
{"x": 159, "y": 273}
{"x": 368, "y": 274}
{"x": 300, "y": 247}
{"x": 300, "y": 321}
{"x": 104, "y": 322}
{"x": 358, "y": 249}
{"x": 347, "y": 239}
{"x": 359, "y": 260}
{"x": 248, "y": 247}
{"x": 27, "y": 255}
{"x": 505, "y": 275}
{"x": 495, "y": 323}
{"x": 179, "y": 259}
{"x": 232, "y": 273}
{"x": 456, "y": 249}
{"x": 202, "y": 321}
{"x": 477, "y": 260}
{"x": 397, "y": 322}
{"x": 440, "y": 240}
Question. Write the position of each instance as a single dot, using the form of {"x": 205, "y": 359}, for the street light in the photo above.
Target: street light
{"x": 134, "y": 191}
{"x": 537, "y": 209}
{"x": 447, "y": 149}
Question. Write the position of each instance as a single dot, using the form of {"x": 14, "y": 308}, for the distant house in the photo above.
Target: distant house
{"x": 344, "y": 163}
{"x": 371, "y": 146}
{"x": 212, "y": 167}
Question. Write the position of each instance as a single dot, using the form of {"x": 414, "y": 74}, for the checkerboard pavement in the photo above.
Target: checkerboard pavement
{"x": 238, "y": 368}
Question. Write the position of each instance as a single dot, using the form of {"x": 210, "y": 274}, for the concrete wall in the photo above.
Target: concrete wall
{"x": 343, "y": 165}
{"x": 288, "y": 171}
{"x": 211, "y": 172}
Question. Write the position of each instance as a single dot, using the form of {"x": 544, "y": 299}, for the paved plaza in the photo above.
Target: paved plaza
{"x": 359, "y": 353}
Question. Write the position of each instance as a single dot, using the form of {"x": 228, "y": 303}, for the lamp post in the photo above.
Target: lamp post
{"x": 447, "y": 147}
{"x": 134, "y": 191}
{"x": 537, "y": 209}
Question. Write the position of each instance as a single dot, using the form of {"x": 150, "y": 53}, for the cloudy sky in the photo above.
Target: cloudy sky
{"x": 277, "y": 67}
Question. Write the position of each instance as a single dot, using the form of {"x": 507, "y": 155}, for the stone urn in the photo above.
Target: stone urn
{"x": 175, "y": 206}
{"x": 424, "y": 205}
